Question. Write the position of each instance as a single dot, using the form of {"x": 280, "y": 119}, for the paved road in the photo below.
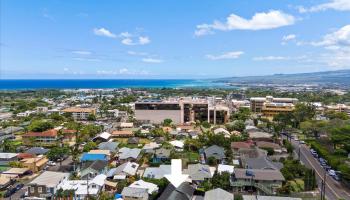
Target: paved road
{"x": 334, "y": 189}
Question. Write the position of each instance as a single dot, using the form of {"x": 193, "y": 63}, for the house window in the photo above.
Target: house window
{"x": 40, "y": 190}
{"x": 31, "y": 189}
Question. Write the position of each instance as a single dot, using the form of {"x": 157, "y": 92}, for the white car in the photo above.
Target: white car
{"x": 331, "y": 172}
{"x": 51, "y": 163}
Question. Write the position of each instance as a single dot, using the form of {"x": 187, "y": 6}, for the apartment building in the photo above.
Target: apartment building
{"x": 79, "y": 113}
{"x": 271, "y": 106}
{"x": 338, "y": 108}
{"x": 181, "y": 110}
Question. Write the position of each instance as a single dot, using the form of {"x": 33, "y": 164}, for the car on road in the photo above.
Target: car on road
{"x": 19, "y": 186}
{"x": 9, "y": 192}
{"x": 51, "y": 163}
{"x": 331, "y": 172}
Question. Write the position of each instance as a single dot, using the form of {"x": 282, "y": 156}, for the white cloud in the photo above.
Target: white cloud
{"x": 270, "y": 58}
{"x": 127, "y": 41}
{"x": 122, "y": 71}
{"x": 82, "y": 52}
{"x": 338, "y": 46}
{"x": 289, "y": 37}
{"x": 144, "y": 40}
{"x": 227, "y": 55}
{"x": 339, "y": 38}
{"x": 87, "y": 59}
{"x": 151, "y": 60}
{"x": 130, "y": 39}
{"x": 340, "y": 5}
{"x": 104, "y": 32}
{"x": 66, "y": 69}
{"x": 260, "y": 21}
{"x": 134, "y": 53}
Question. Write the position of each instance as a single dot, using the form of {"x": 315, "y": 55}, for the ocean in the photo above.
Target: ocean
{"x": 12, "y": 84}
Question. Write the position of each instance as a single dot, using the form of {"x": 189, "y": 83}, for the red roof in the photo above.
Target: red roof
{"x": 68, "y": 131}
{"x": 25, "y": 155}
{"x": 48, "y": 133}
{"x": 240, "y": 145}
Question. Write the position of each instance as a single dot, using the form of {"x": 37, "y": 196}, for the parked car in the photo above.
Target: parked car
{"x": 51, "y": 163}
{"x": 19, "y": 186}
{"x": 10, "y": 192}
{"x": 331, "y": 172}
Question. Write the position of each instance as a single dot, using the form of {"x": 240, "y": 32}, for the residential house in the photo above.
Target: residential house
{"x": 93, "y": 168}
{"x": 258, "y": 197}
{"x": 123, "y": 133}
{"x": 131, "y": 193}
{"x": 5, "y": 158}
{"x": 99, "y": 151}
{"x": 45, "y": 138}
{"x": 178, "y": 145}
{"x": 264, "y": 145}
{"x": 265, "y": 180}
{"x": 111, "y": 146}
{"x": 218, "y": 194}
{"x": 235, "y": 146}
{"x": 4, "y": 182}
{"x": 9, "y": 132}
{"x": 46, "y": 184}
{"x": 184, "y": 192}
{"x": 16, "y": 172}
{"x": 150, "y": 187}
{"x": 127, "y": 154}
{"x": 226, "y": 168}
{"x": 157, "y": 172}
{"x": 93, "y": 157}
{"x": 82, "y": 188}
{"x": 37, "y": 151}
{"x": 161, "y": 155}
{"x": 150, "y": 147}
{"x": 102, "y": 137}
{"x": 198, "y": 172}
{"x": 215, "y": 151}
{"x": 261, "y": 162}
{"x": 35, "y": 164}
{"x": 124, "y": 170}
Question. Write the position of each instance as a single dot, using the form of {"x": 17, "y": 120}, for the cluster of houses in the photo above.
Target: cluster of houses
{"x": 137, "y": 161}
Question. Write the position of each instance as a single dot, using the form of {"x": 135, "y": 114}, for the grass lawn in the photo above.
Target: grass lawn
{"x": 188, "y": 157}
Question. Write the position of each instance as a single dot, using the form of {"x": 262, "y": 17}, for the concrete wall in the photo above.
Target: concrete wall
{"x": 158, "y": 116}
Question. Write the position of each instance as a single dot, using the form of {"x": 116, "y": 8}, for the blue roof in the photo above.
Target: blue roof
{"x": 117, "y": 196}
{"x": 93, "y": 157}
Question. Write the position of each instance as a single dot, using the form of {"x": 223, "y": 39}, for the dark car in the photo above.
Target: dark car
{"x": 10, "y": 192}
{"x": 19, "y": 186}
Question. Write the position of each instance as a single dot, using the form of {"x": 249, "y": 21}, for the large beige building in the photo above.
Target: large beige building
{"x": 270, "y": 106}
{"x": 257, "y": 103}
{"x": 181, "y": 110}
{"x": 79, "y": 113}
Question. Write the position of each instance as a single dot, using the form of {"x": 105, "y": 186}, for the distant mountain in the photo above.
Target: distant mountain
{"x": 339, "y": 77}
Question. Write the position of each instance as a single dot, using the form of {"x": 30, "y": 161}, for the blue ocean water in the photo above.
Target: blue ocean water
{"x": 12, "y": 84}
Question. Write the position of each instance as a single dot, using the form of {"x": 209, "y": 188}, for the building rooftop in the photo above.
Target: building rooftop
{"x": 49, "y": 178}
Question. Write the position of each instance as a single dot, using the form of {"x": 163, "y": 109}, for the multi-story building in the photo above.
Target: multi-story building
{"x": 338, "y": 108}
{"x": 79, "y": 113}
{"x": 271, "y": 106}
{"x": 181, "y": 110}
{"x": 272, "y": 109}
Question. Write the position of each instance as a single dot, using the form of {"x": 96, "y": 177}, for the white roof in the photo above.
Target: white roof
{"x": 7, "y": 155}
{"x": 226, "y": 168}
{"x": 105, "y": 135}
{"x": 177, "y": 143}
{"x": 145, "y": 185}
{"x": 50, "y": 179}
{"x": 152, "y": 145}
{"x": 80, "y": 186}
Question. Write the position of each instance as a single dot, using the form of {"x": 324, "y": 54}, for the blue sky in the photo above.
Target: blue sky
{"x": 172, "y": 39}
